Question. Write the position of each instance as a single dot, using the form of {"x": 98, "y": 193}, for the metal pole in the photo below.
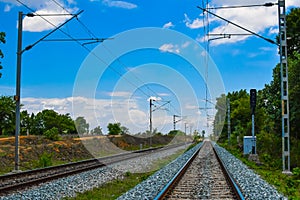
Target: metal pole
{"x": 150, "y": 122}
{"x": 17, "y": 97}
{"x": 253, "y": 137}
{"x": 18, "y": 86}
{"x": 185, "y": 127}
{"x": 285, "y": 120}
{"x": 174, "y": 122}
{"x": 228, "y": 120}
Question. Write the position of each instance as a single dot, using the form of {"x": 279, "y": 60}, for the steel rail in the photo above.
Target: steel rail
{"x": 230, "y": 179}
{"x": 177, "y": 176}
{"x": 14, "y": 181}
{"x": 171, "y": 184}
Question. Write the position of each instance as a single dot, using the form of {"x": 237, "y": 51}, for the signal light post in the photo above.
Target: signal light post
{"x": 252, "y": 105}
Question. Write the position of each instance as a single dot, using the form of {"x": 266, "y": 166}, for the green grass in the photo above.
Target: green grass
{"x": 113, "y": 189}
{"x": 116, "y": 188}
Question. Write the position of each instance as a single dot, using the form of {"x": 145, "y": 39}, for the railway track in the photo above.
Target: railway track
{"x": 203, "y": 177}
{"x": 18, "y": 181}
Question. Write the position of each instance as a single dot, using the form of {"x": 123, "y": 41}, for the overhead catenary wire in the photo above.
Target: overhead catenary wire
{"x": 83, "y": 46}
{"x": 82, "y": 24}
{"x": 118, "y": 59}
{"x": 269, "y": 4}
{"x": 230, "y": 22}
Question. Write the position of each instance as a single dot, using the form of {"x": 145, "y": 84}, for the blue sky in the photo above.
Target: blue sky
{"x": 51, "y": 70}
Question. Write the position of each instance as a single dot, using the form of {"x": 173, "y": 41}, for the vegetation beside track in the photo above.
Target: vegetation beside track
{"x": 289, "y": 185}
{"x": 38, "y": 151}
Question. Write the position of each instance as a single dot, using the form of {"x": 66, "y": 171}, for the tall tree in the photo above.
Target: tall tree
{"x": 293, "y": 34}
{"x": 48, "y": 119}
{"x": 26, "y": 122}
{"x": 124, "y": 130}
{"x": 2, "y": 40}
{"x": 66, "y": 124}
{"x": 97, "y": 131}
{"x": 7, "y": 115}
{"x": 114, "y": 128}
{"x": 81, "y": 125}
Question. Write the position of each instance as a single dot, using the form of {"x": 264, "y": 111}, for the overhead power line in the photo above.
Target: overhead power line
{"x": 87, "y": 49}
{"x": 94, "y": 36}
{"x": 246, "y": 6}
{"x": 56, "y": 28}
{"x": 230, "y": 22}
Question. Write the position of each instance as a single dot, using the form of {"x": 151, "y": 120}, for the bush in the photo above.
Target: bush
{"x": 45, "y": 160}
{"x": 52, "y": 134}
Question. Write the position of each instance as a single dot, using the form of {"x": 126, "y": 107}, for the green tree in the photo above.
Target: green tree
{"x": 7, "y": 115}
{"x": 52, "y": 134}
{"x": 26, "y": 123}
{"x": 37, "y": 124}
{"x": 269, "y": 100}
{"x": 176, "y": 132}
{"x": 293, "y": 35}
{"x": 81, "y": 125}
{"x": 124, "y": 130}
{"x": 114, "y": 128}
{"x": 66, "y": 124}
{"x": 97, "y": 131}
{"x": 48, "y": 119}
{"x": 2, "y": 40}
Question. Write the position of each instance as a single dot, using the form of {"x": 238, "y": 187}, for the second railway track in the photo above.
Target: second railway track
{"x": 203, "y": 178}
{"x": 12, "y": 182}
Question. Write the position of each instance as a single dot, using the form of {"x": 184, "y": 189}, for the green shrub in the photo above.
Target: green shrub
{"x": 296, "y": 172}
{"x": 45, "y": 160}
{"x": 52, "y": 134}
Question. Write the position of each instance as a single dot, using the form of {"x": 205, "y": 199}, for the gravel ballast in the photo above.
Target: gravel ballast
{"x": 252, "y": 186}
{"x": 69, "y": 186}
{"x": 149, "y": 188}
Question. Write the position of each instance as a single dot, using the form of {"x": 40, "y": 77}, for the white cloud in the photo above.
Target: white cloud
{"x": 100, "y": 112}
{"x": 7, "y": 8}
{"x": 261, "y": 20}
{"x": 292, "y": 3}
{"x": 169, "y": 48}
{"x": 186, "y": 44}
{"x": 95, "y": 111}
{"x": 164, "y": 94}
{"x": 267, "y": 49}
{"x": 273, "y": 30}
{"x": 119, "y": 4}
{"x": 256, "y": 19}
{"x": 120, "y": 94}
{"x": 195, "y": 24}
{"x": 191, "y": 107}
{"x": 154, "y": 98}
{"x": 168, "y": 25}
{"x": 37, "y": 24}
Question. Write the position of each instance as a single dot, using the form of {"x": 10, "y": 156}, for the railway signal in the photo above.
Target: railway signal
{"x": 253, "y": 100}
{"x": 252, "y": 105}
